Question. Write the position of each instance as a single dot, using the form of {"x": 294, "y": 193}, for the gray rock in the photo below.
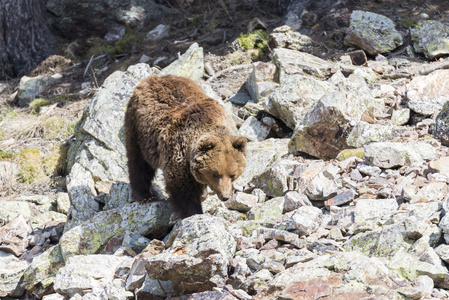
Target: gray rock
{"x": 260, "y": 82}
{"x": 242, "y": 201}
{"x": 427, "y": 94}
{"x": 153, "y": 288}
{"x": 91, "y": 235}
{"x": 291, "y": 62}
{"x": 11, "y": 272}
{"x": 430, "y": 38}
{"x": 269, "y": 211}
{"x": 254, "y": 130}
{"x": 260, "y": 156}
{"x": 322, "y": 133}
{"x": 307, "y": 219}
{"x": 441, "y": 127}
{"x": 400, "y": 116}
{"x": 390, "y": 154}
{"x": 63, "y": 202}
{"x": 366, "y": 209}
{"x": 411, "y": 268}
{"x": 276, "y": 180}
{"x": 372, "y": 32}
{"x": 11, "y": 209}
{"x": 207, "y": 247}
{"x": 287, "y": 37}
{"x": 190, "y": 64}
{"x": 293, "y": 200}
{"x": 84, "y": 273}
{"x": 294, "y": 97}
{"x": 321, "y": 187}
{"x": 363, "y": 133}
{"x": 30, "y": 90}
{"x": 160, "y": 32}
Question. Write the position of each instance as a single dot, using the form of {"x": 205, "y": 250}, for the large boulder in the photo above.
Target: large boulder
{"x": 430, "y": 38}
{"x": 373, "y": 33}
{"x": 197, "y": 257}
{"x": 427, "y": 94}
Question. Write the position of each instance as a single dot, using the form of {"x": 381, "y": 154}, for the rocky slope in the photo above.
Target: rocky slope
{"x": 345, "y": 194}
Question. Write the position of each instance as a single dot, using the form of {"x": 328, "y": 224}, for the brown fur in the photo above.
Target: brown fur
{"x": 172, "y": 125}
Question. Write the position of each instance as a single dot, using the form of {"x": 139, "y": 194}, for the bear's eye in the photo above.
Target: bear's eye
{"x": 232, "y": 177}
{"x": 216, "y": 175}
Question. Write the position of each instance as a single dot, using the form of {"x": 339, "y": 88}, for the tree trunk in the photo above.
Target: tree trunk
{"x": 25, "y": 39}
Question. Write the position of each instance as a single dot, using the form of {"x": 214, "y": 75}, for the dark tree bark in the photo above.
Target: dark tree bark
{"x": 25, "y": 39}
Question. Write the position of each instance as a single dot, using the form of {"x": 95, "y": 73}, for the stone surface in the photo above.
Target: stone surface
{"x": 372, "y": 32}
{"x": 287, "y": 37}
{"x": 389, "y": 154}
{"x": 427, "y": 94}
{"x": 254, "y": 130}
{"x": 294, "y": 97}
{"x": 430, "y": 38}
{"x": 31, "y": 89}
{"x": 440, "y": 129}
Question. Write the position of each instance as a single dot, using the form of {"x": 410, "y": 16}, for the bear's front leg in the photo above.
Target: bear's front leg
{"x": 185, "y": 195}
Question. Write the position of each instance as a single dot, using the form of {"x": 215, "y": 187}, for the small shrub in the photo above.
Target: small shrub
{"x": 36, "y": 104}
{"x": 256, "y": 39}
{"x": 55, "y": 163}
{"x": 53, "y": 128}
{"x": 5, "y": 155}
{"x": 30, "y": 165}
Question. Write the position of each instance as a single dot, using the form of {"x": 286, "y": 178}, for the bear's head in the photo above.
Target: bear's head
{"x": 218, "y": 160}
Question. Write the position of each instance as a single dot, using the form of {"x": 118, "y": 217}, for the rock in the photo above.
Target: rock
{"x": 373, "y": 33}
{"x": 154, "y": 289}
{"x": 240, "y": 98}
{"x": 400, "y": 116}
{"x": 190, "y": 64}
{"x": 119, "y": 195}
{"x": 268, "y": 211}
{"x": 322, "y": 133}
{"x": 306, "y": 220}
{"x": 31, "y": 88}
{"x": 242, "y": 201}
{"x": 366, "y": 209}
{"x": 287, "y": 37}
{"x": 294, "y": 97}
{"x": 276, "y": 180}
{"x": 160, "y": 32}
{"x": 410, "y": 267}
{"x": 9, "y": 210}
{"x": 91, "y": 235}
{"x": 340, "y": 199}
{"x": 63, "y": 202}
{"x": 260, "y": 156}
{"x": 440, "y": 165}
{"x": 344, "y": 274}
{"x": 254, "y": 130}
{"x": 79, "y": 19}
{"x": 427, "y": 94}
{"x": 291, "y": 62}
{"x": 293, "y": 200}
{"x": 390, "y": 154}
{"x": 84, "y": 273}
{"x": 321, "y": 187}
{"x": 197, "y": 256}
{"x": 11, "y": 272}
{"x": 429, "y": 38}
{"x": 440, "y": 128}
{"x": 363, "y": 133}
{"x": 260, "y": 82}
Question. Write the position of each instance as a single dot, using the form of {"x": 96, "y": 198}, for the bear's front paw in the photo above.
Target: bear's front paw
{"x": 143, "y": 197}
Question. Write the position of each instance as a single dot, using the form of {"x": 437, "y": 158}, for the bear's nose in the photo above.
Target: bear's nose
{"x": 224, "y": 197}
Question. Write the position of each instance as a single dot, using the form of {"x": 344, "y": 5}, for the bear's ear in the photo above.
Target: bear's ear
{"x": 239, "y": 143}
{"x": 207, "y": 143}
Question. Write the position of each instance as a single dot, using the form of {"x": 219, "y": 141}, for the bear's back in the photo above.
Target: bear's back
{"x": 175, "y": 101}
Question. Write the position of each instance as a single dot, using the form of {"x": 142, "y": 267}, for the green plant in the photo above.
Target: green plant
{"x": 256, "y": 39}
{"x": 130, "y": 41}
{"x": 36, "y": 104}
{"x": 30, "y": 165}
{"x": 5, "y": 155}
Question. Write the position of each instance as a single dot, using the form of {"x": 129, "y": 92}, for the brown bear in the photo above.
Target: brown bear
{"x": 171, "y": 124}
